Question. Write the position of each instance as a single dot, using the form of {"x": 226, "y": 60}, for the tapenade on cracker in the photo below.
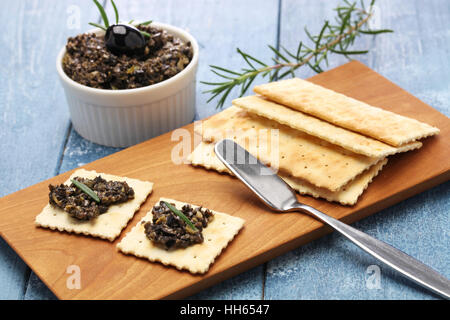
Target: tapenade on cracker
{"x": 60, "y": 215}
{"x": 197, "y": 257}
{"x": 81, "y": 205}
{"x": 169, "y": 229}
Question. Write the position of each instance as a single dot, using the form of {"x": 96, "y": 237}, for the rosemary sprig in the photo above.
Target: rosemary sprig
{"x": 116, "y": 13}
{"x": 181, "y": 215}
{"x": 86, "y": 189}
{"x": 351, "y": 21}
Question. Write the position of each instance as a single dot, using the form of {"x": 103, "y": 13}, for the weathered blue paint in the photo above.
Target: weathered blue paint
{"x": 38, "y": 141}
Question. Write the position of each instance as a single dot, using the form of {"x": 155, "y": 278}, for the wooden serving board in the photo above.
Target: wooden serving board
{"x": 108, "y": 274}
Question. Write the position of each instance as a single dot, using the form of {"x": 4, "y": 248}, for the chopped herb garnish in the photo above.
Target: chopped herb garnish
{"x": 181, "y": 215}
{"x": 86, "y": 190}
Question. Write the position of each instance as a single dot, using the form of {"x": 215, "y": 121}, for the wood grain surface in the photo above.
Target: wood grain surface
{"x": 107, "y": 274}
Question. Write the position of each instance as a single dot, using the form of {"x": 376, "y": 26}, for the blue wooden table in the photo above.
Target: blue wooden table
{"x": 37, "y": 140}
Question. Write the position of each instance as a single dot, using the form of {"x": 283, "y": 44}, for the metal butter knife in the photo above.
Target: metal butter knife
{"x": 275, "y": 193}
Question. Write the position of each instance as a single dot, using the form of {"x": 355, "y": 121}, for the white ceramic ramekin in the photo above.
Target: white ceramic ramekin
{"x": 121, "y": 118}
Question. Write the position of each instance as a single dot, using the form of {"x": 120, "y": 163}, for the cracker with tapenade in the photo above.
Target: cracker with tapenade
{"x": 321, "y": 163}
{"x": 107, "y": 225}
{"x": 204, "y": 156}
{"x": 196, "y": 258}
{"x": 346, "y": 112}
{"x": 295, "y": 119}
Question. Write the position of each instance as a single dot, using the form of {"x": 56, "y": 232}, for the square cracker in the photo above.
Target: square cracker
{"x": 348, "y": 195}
{"x": 107, "y": 225}
{"x": 299, "y": 154}
{"x": 295, "y": 119}
{"x": 346, "y": 112}
{"x": 203, "y": 155}
{"x": 196, "y": 258}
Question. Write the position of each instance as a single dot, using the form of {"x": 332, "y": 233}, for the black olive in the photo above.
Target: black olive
{"x": 170, "y": 243}
{"x": 123, "y": 38}
{"x": 171, "y": 221}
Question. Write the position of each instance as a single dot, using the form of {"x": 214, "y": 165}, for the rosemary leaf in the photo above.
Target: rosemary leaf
{"x": 248, "y": 57}
{"x": 278, "y": 53}
{"x": 319, "y": 38}
{"x": 181, "y": 215}
{"x": 86, "y": 189}
{"x": 224, "y": 70}
{"x": 345, "y": 21}
{"x": 103, "y": 13}
{"x": 289, "y": 53}
{"x": 311, "y": 37}
{"x": 246, "y": 86}
{"x": 213, "y": 83}
{"x": 221, "y": 75}
{"x": 146, "y": 23}
{"x": 284, "y": 74}
{"x": 299, "y": 50}
{"x": 274, "y": 75}
{"x": 215, "y": 94}
{"x": 116, "y": 12}
{"x": 97, "y": 26}
{"x": 349, "y": 52}
{"x": 363, "y": 7}
{"x": 376, "y": 31}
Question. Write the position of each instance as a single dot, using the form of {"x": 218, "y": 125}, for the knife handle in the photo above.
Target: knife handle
{"x": 396, "y": 259}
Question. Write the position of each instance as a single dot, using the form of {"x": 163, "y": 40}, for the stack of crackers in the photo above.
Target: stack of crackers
{"x": 324, "y": 144}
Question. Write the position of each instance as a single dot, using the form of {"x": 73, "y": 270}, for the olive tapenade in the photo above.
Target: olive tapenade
{"x": 89, "y": 62}
{"x": 80, "y": 205}
{"x": 170, "y": 231}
